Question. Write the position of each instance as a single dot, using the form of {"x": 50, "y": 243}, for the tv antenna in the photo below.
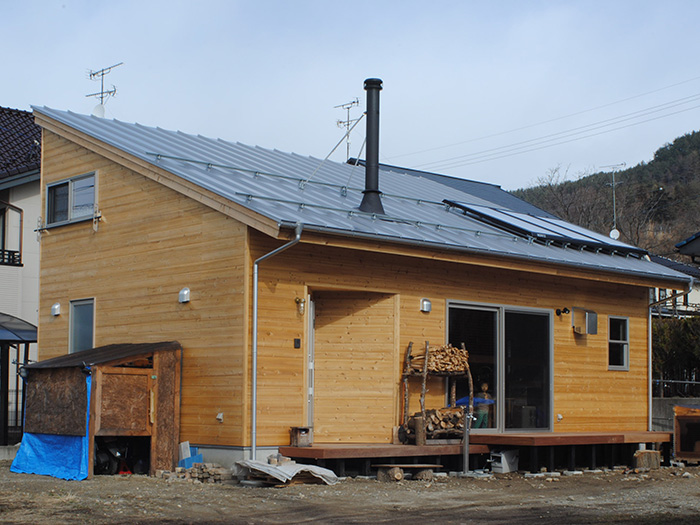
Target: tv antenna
{"x": 347, "y": 122}
{"x": 102, "y": 94}
{"x": 614, "y": 233}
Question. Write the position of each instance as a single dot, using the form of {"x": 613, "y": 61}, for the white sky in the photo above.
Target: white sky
{"x": 269, "y": 73}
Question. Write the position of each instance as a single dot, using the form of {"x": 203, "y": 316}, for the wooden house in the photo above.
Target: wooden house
{"x": 295, "y": 288}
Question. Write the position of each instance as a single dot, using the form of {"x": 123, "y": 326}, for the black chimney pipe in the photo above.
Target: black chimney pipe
{"x": 371, "y": 201}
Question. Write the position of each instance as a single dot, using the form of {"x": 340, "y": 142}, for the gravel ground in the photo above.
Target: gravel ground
{"x": 667, "y": 495}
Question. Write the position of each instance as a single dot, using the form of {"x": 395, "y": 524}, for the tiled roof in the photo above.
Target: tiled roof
{"x": 20, "y": 142}
{"x": 290, "y": 189}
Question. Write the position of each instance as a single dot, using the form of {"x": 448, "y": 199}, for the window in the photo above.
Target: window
{"x": 618, "y": 343}
{"x": 70, "y": 200}
{"x": 82, "y": 325}
{"x": 11, "y": 218}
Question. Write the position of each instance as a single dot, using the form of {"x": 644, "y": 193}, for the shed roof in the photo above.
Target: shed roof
{"x": 324, "y": 197}
{"x": 106, "y": 354}
{"x": 20, "y": 143}
{"x": 15, "y": 330}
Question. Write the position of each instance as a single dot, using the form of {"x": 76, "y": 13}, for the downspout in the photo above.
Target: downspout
{"x": 254, "y": 408}
{"x": 650, "y": 398}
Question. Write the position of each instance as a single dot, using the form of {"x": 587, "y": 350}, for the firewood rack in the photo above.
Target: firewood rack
{"x": 423, "y": 373}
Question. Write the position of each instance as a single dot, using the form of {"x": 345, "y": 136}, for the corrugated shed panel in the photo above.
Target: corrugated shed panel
{"x": 325, "y": 196}
{"x": 106, "y": 354}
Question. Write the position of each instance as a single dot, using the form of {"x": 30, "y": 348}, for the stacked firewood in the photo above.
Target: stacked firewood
{"x": 445, "y": 358}
{"x": 440, "y": 423}
{"x": 444, "y": 420}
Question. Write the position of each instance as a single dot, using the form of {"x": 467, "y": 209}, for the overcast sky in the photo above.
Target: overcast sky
{"x": 495, "y": 91}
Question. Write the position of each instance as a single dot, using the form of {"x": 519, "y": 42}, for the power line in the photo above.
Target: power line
{"x": 513, "y": 130}
{"x": 497, "y": 157}
{"x": 570, "y": 132}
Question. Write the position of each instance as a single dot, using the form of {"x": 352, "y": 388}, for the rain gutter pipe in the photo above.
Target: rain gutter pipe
{"x": 650, "y": 397}
{"x": 254, "y": 404}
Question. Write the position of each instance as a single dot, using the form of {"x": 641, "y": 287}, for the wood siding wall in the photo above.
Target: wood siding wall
{"x": 587, "y": 395}
{"x": 151, "y": 243}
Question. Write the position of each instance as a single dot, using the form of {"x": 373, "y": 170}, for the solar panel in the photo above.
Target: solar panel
{"x": 545, "y": 228}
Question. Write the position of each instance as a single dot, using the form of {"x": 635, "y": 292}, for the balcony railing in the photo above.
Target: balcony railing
{"x": 10, "y": 257}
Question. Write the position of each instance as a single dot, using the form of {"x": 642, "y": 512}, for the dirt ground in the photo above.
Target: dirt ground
{"x": 668, "y": 495}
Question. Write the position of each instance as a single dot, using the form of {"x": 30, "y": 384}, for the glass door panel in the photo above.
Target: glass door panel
{"x": 478, "y": 329}
{"x": 526, "y": 371}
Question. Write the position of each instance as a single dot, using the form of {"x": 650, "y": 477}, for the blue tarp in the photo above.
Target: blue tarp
{"x": 64, "y": 457}
{"x": 477, "y": 401}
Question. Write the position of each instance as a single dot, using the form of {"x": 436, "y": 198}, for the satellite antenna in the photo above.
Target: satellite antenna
{"x": 614, "y": 233}
{"x": 347, "y": 123}
{"x": 99, "y": 110}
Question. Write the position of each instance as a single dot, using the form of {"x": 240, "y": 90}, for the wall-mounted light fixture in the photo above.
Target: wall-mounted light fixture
{"x": 56, "y": 309}
{"x": 425, "y": 305}
{"x": 184, "y": 295}
{"x": 564, "y": 310}
{"x": 301, "y": 305}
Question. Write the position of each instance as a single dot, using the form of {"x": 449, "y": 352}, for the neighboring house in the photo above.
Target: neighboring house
{"x": 294, "y": 306}
{"x": 677, "y": 303}
{"x": 20, "y": 206}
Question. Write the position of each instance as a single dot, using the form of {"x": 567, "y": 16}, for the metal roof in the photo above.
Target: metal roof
{"x": 106, "y": 354}
{"x": 324, "y": 197}
{"x": 15, "y": 330}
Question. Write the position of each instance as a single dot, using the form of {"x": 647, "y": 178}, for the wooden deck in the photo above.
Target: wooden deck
{"x": 548, "y": 439}
{"x": 374, "y": 450}
{"x": 478, "y": 444}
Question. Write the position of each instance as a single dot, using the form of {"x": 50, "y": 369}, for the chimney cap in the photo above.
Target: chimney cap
{"x": 373, "y": 83}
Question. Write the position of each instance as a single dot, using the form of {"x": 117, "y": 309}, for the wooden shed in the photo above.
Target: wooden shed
{"x": 130, "y": 391}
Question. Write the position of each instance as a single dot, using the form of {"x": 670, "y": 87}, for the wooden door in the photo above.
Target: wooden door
{"x": 355, "y": 366}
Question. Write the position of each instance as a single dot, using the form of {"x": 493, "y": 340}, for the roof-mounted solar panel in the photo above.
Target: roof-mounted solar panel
{"x": 545, "y": 229}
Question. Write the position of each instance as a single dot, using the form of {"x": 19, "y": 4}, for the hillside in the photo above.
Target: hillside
{"x": 657, "y": 203}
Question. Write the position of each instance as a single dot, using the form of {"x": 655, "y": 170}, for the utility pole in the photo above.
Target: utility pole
{"x": 347, "y": 123}
{"x": 614, "y": 233}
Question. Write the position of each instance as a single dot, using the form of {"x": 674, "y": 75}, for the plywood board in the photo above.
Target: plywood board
{"x": 123, "y": 403}
{"x": 56, "y": 402}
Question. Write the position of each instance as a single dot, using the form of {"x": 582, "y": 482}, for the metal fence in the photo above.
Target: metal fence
{"x": 675, "y": 388}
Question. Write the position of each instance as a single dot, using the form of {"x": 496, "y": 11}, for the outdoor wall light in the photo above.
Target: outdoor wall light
{"x": 425, "y": 305}
{"x": 564, "y": 310}
{"x": 301, "y": 305}
{"x": 56, "y": 309}
{"x": 184, "y": 295}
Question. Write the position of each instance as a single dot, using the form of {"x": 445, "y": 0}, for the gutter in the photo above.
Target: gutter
{"x": 14, "y": 180}
{"x": 298, "y": 228}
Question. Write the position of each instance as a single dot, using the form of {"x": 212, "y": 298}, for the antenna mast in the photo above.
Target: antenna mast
{"x": 614, "y": 233}
{"x": 102, "y": 94}
{"x": 347, "y": 123}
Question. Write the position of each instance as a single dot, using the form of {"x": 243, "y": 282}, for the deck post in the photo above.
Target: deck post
{"x": 572, "y": 457}
{"x": 534, "y": 459}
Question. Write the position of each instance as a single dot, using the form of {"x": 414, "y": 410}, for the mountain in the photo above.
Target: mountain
{"x": 657, "y": 204}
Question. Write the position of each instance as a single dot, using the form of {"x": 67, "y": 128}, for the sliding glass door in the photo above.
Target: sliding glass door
{"x": 510, "y": 360}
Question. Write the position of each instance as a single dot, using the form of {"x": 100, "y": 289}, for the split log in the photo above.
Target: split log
{"x": 390, "y": 474}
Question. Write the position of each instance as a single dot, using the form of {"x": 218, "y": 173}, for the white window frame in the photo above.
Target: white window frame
{"x": 71, "y": 189}
{"x": 71, "y": 335}
{"x": 625, "y": 366}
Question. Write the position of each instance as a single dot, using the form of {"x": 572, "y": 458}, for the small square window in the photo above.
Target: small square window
{"x": 618, "y": 343}
{"x": 70, "y": 200}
